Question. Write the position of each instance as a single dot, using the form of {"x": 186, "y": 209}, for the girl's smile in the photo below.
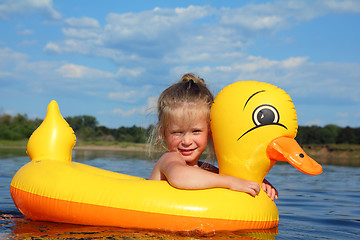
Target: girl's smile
{"x": 186, "y": 152}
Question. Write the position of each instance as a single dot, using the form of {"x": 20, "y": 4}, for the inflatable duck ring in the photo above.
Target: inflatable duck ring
{"x": 253, "y": 125}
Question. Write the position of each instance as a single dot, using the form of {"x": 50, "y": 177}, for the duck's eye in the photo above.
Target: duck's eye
{"x": 265, "y": 115}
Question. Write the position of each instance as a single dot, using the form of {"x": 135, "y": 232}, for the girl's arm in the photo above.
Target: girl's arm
{"x": 266, "y": 185}
{"x": 173, "y": 168}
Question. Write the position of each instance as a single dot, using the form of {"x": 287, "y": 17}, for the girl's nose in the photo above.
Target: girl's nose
{"x": 186, "y": 140}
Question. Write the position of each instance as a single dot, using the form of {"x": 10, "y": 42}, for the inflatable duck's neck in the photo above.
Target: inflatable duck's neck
{"x": 53, "y": 139}
{"x": 250, "y": 161}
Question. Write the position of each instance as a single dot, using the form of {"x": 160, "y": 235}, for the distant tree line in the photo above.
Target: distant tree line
{"x": 330, "y": 134}
{"x": 86, "y": 128}
{"x": 18, "y": 127}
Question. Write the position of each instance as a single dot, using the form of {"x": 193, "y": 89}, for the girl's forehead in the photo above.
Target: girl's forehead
{"x": 185, "y": 115}
{"x": 189, "y": 111}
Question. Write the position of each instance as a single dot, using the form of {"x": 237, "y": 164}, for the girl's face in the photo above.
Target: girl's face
{"x": 187, "y": 132}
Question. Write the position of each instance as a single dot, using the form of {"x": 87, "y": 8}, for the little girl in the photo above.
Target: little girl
{"x": 184, "y": 127}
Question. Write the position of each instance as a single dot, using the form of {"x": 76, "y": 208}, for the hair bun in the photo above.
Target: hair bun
{"x": 192, "y": 77}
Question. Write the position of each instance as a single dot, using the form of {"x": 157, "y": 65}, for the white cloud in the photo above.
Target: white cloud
{"x": 278, "y": 15}
{"x": 26, "y": 32}
{"x": 175, "y": 36}
{"x": 118, "y": 111}
{"x": 26, "y": 43}
{"x": 83, "y": 28}
{"x": 25, "y": 7}
{"x": 52, "y": 47}
{"x": 333, "y": 80}
{"x": 16, "y": 69}
{"x": 256, "y": 63}
{"x": 80, "y": 46}
{"x": 134, "y": 72}
{"x": 80, "y": 33}
{"x": 152, "y": 24}
{"x": 9, "y": 57}
{"x": 253, "y": 17}
{"x": 293, "y": 62}
{"x": 127, "y": 96}
{"x": 151, "y": 107}
{"x": 342, "y": 114}
{"x": 131, "y": 36}
{"x": 343, "y": 6}
{"x": 315, "y": 122}
{"x": 84, "y": 22}
{"x": 122, "y": 92}
{"x": 77, "y": 71}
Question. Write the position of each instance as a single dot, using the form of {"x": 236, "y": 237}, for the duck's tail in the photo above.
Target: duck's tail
{"x": 53, "y": 139}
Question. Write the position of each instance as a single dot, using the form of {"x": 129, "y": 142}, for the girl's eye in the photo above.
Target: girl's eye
{"x": 197, "y": 131}
{"x": 177, "y": 133}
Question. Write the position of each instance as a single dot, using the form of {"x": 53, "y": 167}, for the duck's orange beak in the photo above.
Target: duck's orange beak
{"x": 287, "y": 149}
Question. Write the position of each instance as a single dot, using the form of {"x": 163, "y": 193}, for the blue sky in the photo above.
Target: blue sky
{"x": 111, "y": 59}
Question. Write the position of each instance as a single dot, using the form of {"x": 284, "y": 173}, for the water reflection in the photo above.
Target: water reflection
{"x": 25, "y": 229}
{"x": 88, "y": 155}
{"x": 6, "y": 153}
{"x": 339, "y": 161}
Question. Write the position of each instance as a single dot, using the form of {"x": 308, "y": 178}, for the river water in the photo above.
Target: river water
{"x": 326, "y": 206}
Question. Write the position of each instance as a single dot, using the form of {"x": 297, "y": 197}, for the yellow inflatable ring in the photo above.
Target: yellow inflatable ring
{"x": 53, "y": 188}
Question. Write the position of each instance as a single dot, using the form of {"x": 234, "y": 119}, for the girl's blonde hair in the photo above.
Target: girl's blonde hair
{"x": 190, "y": 89}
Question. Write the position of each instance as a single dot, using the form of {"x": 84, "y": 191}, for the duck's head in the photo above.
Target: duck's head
{"x": 254, "y": 124}
{"x": 53, "y": 139}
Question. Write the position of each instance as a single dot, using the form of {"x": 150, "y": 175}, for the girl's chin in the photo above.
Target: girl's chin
{"x": 191, "y": 158}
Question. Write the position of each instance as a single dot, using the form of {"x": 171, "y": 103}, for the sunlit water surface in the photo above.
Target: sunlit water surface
{"x": 326, "y": 206}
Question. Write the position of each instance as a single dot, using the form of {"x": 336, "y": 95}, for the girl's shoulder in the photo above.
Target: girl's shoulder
{"x": 166, "y": 160}
{"x": 169, "y": 157}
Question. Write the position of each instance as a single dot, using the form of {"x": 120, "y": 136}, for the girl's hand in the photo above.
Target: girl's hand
{"x": 243, "y": 185}
{"x": 270, "y": 190}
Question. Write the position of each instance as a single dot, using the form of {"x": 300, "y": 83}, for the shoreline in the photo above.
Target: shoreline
{"x": 111, "y": 148}
{"x": 94, "y": 148}
{"x": 323, "y": 154}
